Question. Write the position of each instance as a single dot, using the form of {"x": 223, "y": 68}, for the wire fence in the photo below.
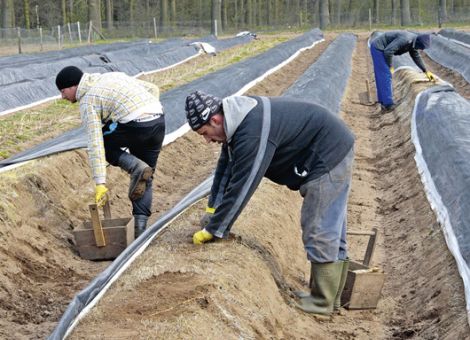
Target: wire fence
{"x": 20, "y": 40}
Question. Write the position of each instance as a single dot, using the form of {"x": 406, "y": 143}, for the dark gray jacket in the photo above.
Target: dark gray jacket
{"x": 397, "y": 43}
{"x": 292, "y": 143}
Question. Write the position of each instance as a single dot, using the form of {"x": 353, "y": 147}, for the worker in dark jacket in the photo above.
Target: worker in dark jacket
{"x": 383, "y": 48}
{"x": 293, "y": 143}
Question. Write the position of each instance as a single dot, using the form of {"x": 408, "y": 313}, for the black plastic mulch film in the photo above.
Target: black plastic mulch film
{"x": 173, "y": 101}
{"x": 29, "y": 79}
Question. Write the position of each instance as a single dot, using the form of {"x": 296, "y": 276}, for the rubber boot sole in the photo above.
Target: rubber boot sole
{"x": 141, "y": 184}
{"x": 301, "y": 294}
{"x": 316, "y": 315}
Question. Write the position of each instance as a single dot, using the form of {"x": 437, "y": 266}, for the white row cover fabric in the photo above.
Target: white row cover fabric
{"x": 440, "y": 130}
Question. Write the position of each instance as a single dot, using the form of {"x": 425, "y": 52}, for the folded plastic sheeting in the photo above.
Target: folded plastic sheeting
{"x": 451, "y": 55}
{"x": 441, "y": 135}
{"x": 457, "y": 36}
{"x": 221, "y": 83}
{"x": 325, "y": 80}
{"x": 30, "y": 80}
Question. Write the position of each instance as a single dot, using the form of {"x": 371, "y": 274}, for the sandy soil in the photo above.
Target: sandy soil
{"x": 242, "y": 287}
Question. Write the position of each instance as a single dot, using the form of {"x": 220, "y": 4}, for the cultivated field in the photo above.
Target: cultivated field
{"x": 241, "y": 287}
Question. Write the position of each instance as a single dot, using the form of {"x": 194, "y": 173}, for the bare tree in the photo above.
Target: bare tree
{"x": 296, "y": 6}
{"x": 235, "y": 14}
{"x": 26, "y": 12}
{"x": 268, "y": 12}
{"x": 63, "y": 7}
{"x": 163, "y": 15}
{"x": 417, "y": 19}
{"x": 324, "y": 14}
{"x": 200, "y": 12}
{"x": 94, "y": 13}
{"x": 443, "y": 10}
{"x": 259, "y": 13}
{"x": 216, "y": 26}
{"x": 276, "y": 11}
{"x": 132, "y": 11}
{"x": 394, "y": 16}
{"x": 8, "y": 14}
{"x": 224, "y": 14}
{"x": 242, "y": 13}
{"x": 338, "y": 12}
{"x": 172, "y": 12}
{"x": 249, "y": 13}
{"x": 71, "y": 11}
{"x": 405, "y": 12}
{"x": 376, "y": 11}
{"x": 109, "y": 14}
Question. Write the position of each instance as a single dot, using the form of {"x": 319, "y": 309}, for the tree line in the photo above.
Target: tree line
{"x": 229, "y": 14}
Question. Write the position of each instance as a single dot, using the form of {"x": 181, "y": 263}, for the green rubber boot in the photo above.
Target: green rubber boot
{"x": 325, "y": 283}
{"x": 342, "y": 282}
{"x": 301, "y": 293}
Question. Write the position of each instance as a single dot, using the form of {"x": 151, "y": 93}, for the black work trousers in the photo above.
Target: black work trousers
{"x": 144, "y": 140}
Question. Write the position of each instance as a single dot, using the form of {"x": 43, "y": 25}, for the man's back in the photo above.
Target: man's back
{"x": 303, "y": 134}
{"x": 394, "y": 39}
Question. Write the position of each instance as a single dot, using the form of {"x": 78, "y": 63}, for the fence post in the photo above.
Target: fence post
{"x": 58, "y": 35}
{"x": 370, "y": 20}
{"x": 70, "y": 31}
{"x": 79, "y": 33}
{"x": 215, "y": 27}
{"x": 40, "y": 39}
{"x": 89, "y": 32}
{"x": 19, "y": 39}
{"x": 155, "y": 27}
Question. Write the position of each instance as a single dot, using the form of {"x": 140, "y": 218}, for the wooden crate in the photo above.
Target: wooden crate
{"x": 363, "y": 287}
{"x": 118, "y": 234}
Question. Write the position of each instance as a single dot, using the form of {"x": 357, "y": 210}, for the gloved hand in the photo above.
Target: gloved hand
{"x": 392, "y": 69}
{"x": 430, "y": 76}
{"x": 101, "y": 194}
{"x": 202, "y": 236}
{"x": 207, "y": 217}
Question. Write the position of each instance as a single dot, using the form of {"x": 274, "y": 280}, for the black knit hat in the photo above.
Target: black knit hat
{"x": 69, "y": 76}
{"x": 200, "y": 107}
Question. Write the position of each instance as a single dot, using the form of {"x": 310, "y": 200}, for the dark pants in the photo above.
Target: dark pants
{"x": 144, "y": 141}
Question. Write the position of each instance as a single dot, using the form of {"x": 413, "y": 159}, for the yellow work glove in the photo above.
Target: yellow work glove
{"x": 202, "y": 236}
{"x": 101, "y": 194}
{"x": 392, "y": 69}
{"x": 207, "y": 217}
{"x": 430, "y": 76}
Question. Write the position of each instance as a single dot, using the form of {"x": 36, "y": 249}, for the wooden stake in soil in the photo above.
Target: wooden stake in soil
{"x": 97, "y": 228}
{"x": 368, "y": 91}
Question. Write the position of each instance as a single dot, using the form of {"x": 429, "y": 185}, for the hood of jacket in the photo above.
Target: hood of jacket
{"x": 235, "y": 110}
